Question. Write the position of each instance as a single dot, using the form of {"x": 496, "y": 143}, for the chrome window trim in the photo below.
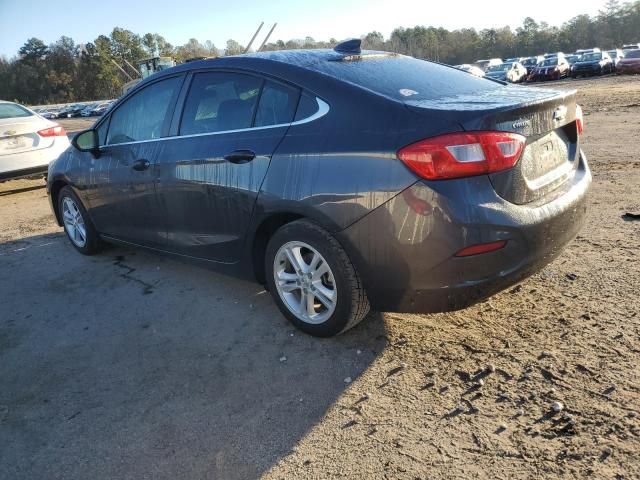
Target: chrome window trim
{"x": 323, "y": 109}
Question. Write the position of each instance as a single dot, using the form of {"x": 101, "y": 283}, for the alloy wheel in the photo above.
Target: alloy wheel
{"x": 73, "y": 222}
{"x": 305, "y": 282}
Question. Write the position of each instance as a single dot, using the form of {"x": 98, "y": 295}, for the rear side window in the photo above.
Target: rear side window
{"x": 308, "y": 106}
{"x": 142, "y": 116}
{"x": 12, "y": 110}
{"x": 404, "y": 78}
{"x": 220, "y": 101}
{"x": 277, "y": 105}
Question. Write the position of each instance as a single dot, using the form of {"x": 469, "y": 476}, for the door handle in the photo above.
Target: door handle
{"x": 240, "y": 156}
{"x": 140, "y": 165}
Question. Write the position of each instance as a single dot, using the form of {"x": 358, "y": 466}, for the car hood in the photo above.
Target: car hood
{"x": 587, "y": 64}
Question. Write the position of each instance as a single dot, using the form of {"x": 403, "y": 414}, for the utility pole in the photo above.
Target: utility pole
{"x": 267, "y": 37}
{"x": 254, "y": 37}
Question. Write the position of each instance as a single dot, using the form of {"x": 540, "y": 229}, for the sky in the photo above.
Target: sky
{"x": 218, "y": 21}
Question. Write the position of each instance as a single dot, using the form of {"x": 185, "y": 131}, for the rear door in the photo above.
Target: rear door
{"x": 209, "y": 175}
{"x": 121, "y": 189}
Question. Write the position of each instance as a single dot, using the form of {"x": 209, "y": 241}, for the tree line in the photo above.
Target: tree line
{"x": 66, "y": 72}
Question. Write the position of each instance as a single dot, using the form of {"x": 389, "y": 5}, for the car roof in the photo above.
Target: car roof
{"x": 283, "y": 63}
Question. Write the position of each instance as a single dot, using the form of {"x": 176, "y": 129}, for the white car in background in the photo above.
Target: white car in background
{"x": 28, "y": 142}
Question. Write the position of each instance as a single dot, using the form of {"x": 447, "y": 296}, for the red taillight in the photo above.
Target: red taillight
{"x": 463, "y": 154}
{"x": 481, "y": 248}
{"x": 56, "y": 131}
{"x": 579, "y": 119}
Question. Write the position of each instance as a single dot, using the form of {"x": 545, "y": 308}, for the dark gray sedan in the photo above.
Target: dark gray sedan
{"x": 343, "y": 180}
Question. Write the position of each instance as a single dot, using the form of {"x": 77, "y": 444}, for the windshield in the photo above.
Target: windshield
{"x": 12, "y": 110}
{"x": 550, "y": 62}
{"x": 632, "y": 54}
{"x": 530, "y": 61}
{"x": 500, "y": 68}
{"x": 590, "y": 57}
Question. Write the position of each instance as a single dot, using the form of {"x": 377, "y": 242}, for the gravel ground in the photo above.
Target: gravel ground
{"x": 132, "y": 365}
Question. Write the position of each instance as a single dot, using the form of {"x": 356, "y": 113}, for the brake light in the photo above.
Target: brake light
{"x": 56, "y": 131}
{"x": 579, "y": 119}
{"x": 458, "y": 155}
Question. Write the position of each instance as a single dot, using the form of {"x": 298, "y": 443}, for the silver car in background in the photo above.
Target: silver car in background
{"x": 28, "y": 142}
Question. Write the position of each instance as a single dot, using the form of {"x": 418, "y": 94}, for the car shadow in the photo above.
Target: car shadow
{"x": 133, "y": 365}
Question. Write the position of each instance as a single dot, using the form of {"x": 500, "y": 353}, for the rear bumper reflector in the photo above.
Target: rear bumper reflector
{"x": 481, "y": 248}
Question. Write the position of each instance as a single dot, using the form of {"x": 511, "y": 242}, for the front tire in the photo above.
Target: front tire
{"x": 77, "y": 224}
{"x": 313, "y": 281}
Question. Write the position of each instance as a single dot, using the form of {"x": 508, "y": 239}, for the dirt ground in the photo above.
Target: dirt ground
{"x": 132, "y": 365}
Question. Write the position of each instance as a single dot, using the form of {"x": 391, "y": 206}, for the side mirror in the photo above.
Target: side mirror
{"x": 87, "y": 141}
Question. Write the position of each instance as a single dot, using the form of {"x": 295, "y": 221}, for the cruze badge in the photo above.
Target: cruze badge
{"x": 521, "y": 124}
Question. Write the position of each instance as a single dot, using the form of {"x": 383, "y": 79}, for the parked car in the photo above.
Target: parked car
{"x": 631, "y": 46}
{"x": 87, "y": 111}
{"x": 630, "y": 64}
{"x": 616, "y": 55}
{"x": 554, "y": 55}
{"x": 472, "y": 69}
{"x": 515, "y": 59}
{"x": 552, "y": 68}
{"x": 531, "y": 63}
{"x": 71, "y": 111}
{"x": 512, "y": 72}
{"x": 48, "y": 114}
{"x": 597, "y": 63}
{"x": 101, "y": 108}
{"x": 342, "y": 182}
{"x": 28, "y": 142}
{"x": 485, "y": 64}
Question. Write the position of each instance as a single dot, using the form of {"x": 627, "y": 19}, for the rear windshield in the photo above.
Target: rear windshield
{"x": 404, "y": 78}
{"x": 550, "y": 61}
{"x": 632, "y": 54}
{"x": 12, "y": 110}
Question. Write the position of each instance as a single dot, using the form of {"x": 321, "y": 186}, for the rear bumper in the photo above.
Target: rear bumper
{"x": 405, "y": 250}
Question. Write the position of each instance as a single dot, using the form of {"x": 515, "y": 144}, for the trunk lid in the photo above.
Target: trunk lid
{"x": 19, "y": 135}
{"x": 547, "y": 118}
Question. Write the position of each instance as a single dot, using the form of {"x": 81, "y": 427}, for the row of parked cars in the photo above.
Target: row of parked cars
{"x": 555, "y": 66}
{"x": 94, "y": 109}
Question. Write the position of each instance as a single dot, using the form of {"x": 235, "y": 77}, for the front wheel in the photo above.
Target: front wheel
{"x": 313, "y": 281}
{"x": 77, "y": 224}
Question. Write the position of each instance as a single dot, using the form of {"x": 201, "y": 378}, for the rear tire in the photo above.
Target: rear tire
{"x": 312, "y": 280}
{"x": 77, "y": 224}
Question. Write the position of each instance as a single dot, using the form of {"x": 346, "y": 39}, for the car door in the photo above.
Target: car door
{"x": 121, "y": 189}
{"x": 210, "y": 173}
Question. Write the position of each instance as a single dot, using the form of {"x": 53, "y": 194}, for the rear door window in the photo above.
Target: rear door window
{"x": 142, "y": 116}
{"x": 277, "y": 105}
{"x": 220, "y": 101}
{"x": 307, "y": 106}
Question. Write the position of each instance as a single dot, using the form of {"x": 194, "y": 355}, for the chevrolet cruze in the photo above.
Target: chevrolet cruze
{"x": 343, "y": 180}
